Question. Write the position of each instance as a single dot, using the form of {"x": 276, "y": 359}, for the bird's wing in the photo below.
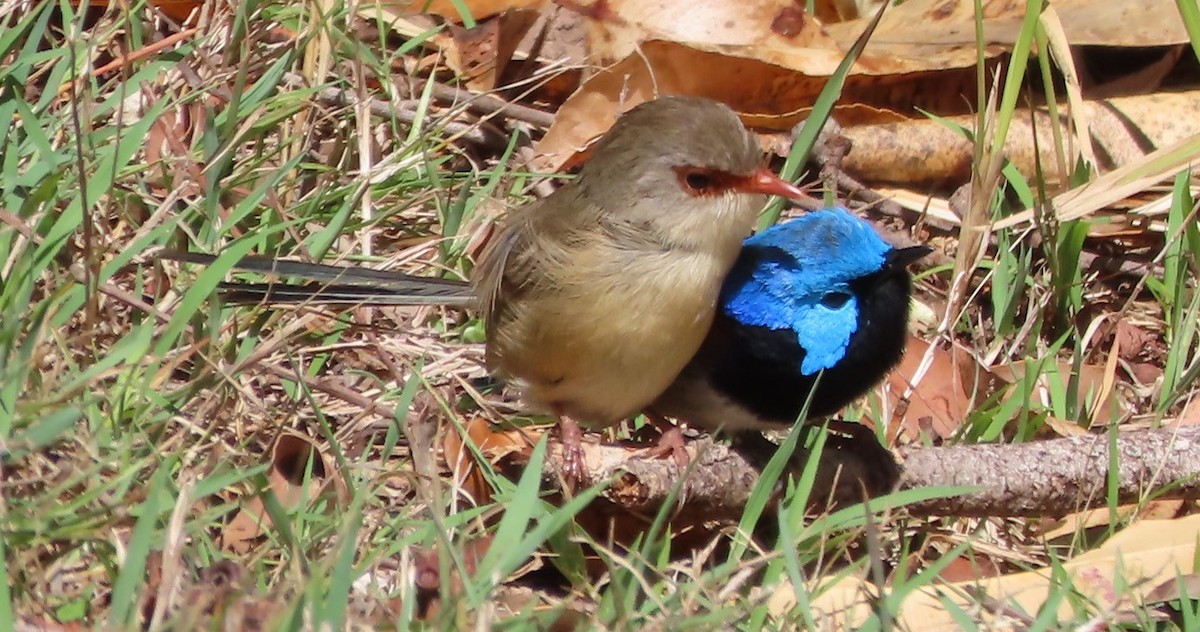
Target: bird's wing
{"x": 526, "y": 259}
{"x": 489, "y": 277}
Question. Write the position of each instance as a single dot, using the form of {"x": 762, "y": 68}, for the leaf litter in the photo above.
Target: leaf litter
{"x": 769, "y": 61}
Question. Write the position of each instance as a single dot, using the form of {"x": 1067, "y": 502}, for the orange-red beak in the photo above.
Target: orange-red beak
{"x": 765, "y": 182}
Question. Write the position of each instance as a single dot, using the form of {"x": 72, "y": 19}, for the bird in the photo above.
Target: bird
{"x": 813, "y": 313}
{"x": 595, "y": 297}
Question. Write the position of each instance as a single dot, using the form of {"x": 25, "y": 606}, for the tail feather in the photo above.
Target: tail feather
{"x": 332, "y": 285}
{"x": 237, "y": 293}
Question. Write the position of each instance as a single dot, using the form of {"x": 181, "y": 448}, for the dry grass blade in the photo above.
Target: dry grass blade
{"x": 1117, "y": 185}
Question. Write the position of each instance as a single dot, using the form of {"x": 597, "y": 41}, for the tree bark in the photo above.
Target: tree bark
{"x": 1044, "y": 478}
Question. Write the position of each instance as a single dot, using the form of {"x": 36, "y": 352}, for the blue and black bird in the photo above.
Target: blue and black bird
{"x": 820, "y": 296}
{"x": 819, "y": 300}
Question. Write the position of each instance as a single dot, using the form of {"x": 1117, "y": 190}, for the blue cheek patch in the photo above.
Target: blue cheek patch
{"x": 823, "y": 333}
{"x": 785, "y": 271}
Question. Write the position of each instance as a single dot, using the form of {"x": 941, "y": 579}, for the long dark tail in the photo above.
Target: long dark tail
{"x": 332, "y": 285}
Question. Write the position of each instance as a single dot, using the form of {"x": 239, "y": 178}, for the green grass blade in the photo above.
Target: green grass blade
{"x": 821, "y": 110}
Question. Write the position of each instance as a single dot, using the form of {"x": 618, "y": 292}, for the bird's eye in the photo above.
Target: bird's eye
{"x": 835, "y": 300}
{"x": 697, "y": 181}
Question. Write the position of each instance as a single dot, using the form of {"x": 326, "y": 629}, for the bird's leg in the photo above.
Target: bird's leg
{"x": 882, "y": 471}
{"x": 670, "y": 441}
{"x": 571, "y": 436}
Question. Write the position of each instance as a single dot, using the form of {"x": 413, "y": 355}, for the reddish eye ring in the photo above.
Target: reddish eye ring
{"x": 700, "y": 181}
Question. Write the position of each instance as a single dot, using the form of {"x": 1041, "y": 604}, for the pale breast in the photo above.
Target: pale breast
{"x": 596, "y": 315}
{"x": 608, "y": 349}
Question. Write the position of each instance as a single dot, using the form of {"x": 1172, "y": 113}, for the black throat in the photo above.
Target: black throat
{"x": 759, "y": 368}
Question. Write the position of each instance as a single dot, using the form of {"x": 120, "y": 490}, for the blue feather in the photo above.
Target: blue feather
{"x": 798, "y": 277}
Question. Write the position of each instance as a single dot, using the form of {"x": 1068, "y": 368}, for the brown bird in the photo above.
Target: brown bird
{"x": 596, "y": 296}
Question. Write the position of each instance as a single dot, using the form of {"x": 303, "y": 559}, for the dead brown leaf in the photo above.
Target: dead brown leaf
{"x": 481, "y": 54}
{"x": 939, "y": 34}
{"x": 479, "y": 9}
{"x": 1147, "y": 553}
{"x": 292, "y": 482}
{"x": 1106, "y": 403}
{"x": 768, "y": 60}
{"x": 963, "y": 569}
{"x": 765, "y": 95}
{"x": 1132, "y": 340}
{"x": 941, "y": 397}
{"x": 774, "y": 31}
{"x": 1190, "y": 415}
{"x": 931, "y": 153}
{"x": 1144, "y": 372}
{"x": 493, "y": 443}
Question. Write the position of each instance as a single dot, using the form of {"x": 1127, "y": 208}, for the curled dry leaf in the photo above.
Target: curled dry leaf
{"x": 926, "y": 152}
{"x": 940, "y": 397}
{"x": 1142, "y": 355}
{"x": 765, "y": 95}
{"x": 427, "y": 575}
{"x": 449, "y": 9}
{"x": 493, "y": 443}
{"x": 934, "y": 34}
{"x": 767, "y": 60}
{"x": 1132, "y": 340}
{"x": 774, "y": 31}
{"x": 484, "y": 56}
{"x": 292, "y": 481}
{"x": 1146, "y": 554}
{"x": 168, "y": 147}
{"x": 480, "y": 55}
{"x": 477, "y": 55}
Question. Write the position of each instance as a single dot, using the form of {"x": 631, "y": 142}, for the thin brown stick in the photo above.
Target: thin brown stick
{"x": 484, "y": 104}
{"x": 474, "y": 133}
{"x": 1045, "y": 478}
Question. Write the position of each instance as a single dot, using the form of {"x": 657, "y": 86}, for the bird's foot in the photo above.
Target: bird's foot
{"x": 670, "y": 442}
{"x": 880, "y": 470}
{"x": 573, "y": 471}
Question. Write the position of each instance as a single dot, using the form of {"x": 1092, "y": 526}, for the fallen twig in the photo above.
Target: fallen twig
{"x": 1043, "y": 478}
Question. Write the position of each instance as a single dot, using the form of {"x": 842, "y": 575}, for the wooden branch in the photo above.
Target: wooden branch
{"x": 1045, "y": 478}
{"x": 1059, "y": 476}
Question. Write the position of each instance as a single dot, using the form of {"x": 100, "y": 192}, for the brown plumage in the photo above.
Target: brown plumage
{"x": 597, "y": 296}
